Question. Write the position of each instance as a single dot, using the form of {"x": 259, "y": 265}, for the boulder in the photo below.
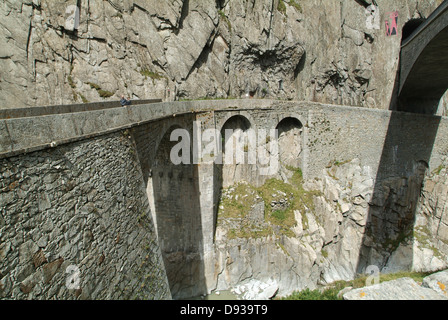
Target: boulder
{"x": 399, "y": 289}
{"x": 437, "y": 282}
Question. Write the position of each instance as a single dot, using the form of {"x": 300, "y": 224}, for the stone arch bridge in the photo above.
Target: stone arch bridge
{"x": 101, "y": 181}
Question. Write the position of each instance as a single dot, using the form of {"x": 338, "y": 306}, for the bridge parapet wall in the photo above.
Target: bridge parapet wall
{"x": 331, "y": 133}
{"x": 27, "y": 134}
{"x": 70, "y": 108}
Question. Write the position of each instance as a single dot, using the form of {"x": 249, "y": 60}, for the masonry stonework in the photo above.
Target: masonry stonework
{"x": 79, "y": 207}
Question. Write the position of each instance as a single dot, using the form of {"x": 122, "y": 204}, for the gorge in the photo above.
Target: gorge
{"x": 358, "y": 184}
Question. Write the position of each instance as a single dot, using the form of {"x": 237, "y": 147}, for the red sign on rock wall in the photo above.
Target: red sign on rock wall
{"x": 391, "y": 21}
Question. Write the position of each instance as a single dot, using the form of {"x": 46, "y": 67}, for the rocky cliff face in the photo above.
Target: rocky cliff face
{"x": 289, "y": 238}
{"x": 328, "y": 51}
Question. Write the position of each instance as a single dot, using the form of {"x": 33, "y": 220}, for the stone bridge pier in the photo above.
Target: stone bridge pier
{"x": 185, "y": 163}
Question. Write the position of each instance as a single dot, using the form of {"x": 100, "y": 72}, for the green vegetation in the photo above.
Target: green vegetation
{"x": 105, "y": 93}
{"x": 307, "y": 294}
{"x": 71, "y": 82}
{"x": 281, "y": 7}
{"x": 238, "y": 200}
{"x": 336, "y": 163}
{"x": 224, "y": 18}
{"x": 73, "y": 86}
{"x": 101, "y": 92}
{"x": 274, "y": 190}
{"x": 295, "y": 5}
{"x": 331, "y": 291}
{"x": 94, "y": 86}
{"x": 340, "y": 163}
{"x": 423, "y": 235}
{"x": 150, "y": 74}
{"x": 238, "y": 204}
{"x": 84, "y": 100}
{"x": 438, "y": 169}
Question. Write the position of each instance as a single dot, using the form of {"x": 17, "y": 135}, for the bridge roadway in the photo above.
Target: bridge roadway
{"x": 423, "y": 76}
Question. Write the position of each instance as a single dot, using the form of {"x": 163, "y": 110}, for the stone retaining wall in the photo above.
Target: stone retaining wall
{"x": 78, "y": 211}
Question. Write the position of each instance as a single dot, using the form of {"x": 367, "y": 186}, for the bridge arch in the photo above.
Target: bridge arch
{"x": 289, "y": 134}
{"x": 424, "y": 64}
{"x": 244, "y": 115}
{"x": 174, "y": 196}
{"x": 234, "y": 164}
{"x": 167, "y": 127}
{"x": 239, "y": 126}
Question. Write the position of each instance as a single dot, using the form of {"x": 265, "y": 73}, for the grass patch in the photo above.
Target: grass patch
{"x": 274, "y": 190}
{"x": 281, "y": 7}
{"x": 295, "y": 5}
{"x": 236, "y": 202}
{"x": 423, "y": 235}
{"x": 279, "y": 215}
{"x": 151, "y": 74}
{"x": 105, "y": 93}
{"x": 102, "y": 93}
{"x": 235, "y": 205}
{"x": 307, "y": 294}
